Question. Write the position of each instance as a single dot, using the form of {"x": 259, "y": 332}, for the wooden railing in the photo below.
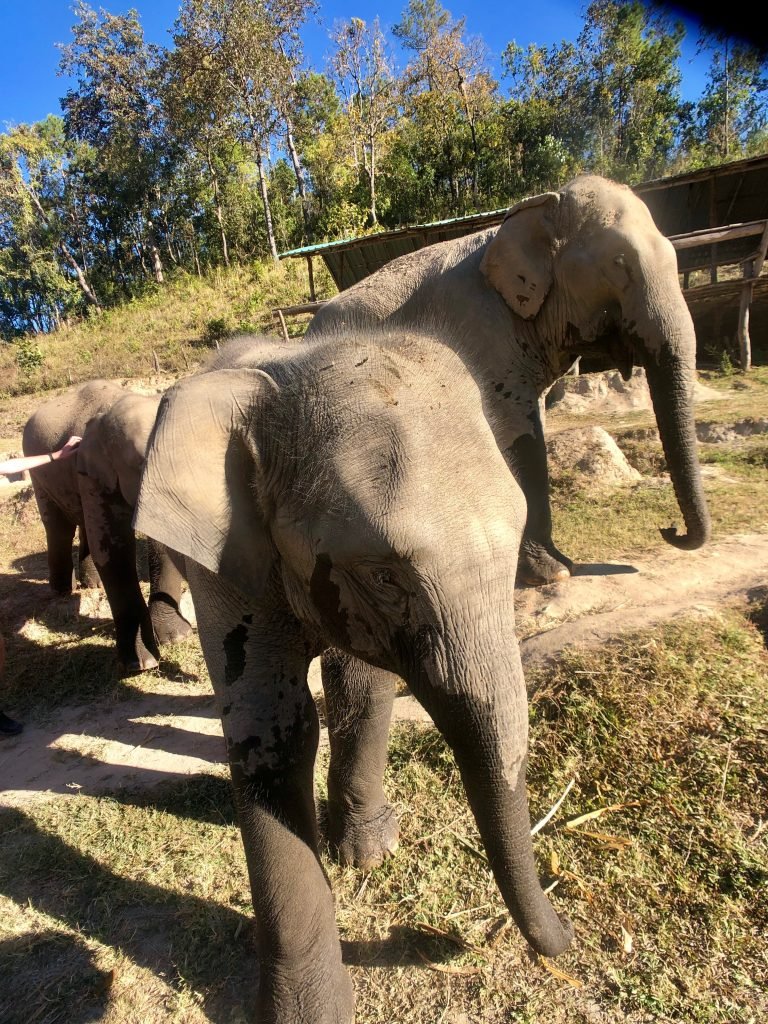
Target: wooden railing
{"x": 751, "y": 267}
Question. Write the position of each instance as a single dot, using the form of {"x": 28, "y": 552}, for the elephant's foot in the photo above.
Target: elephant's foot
{"x": 135, "y": 666}
{"x": 168, "y": 623}
{"x": 88, "y": 575}
{"x": 135, "y": 657}
{"x": 538, "y": 564}
{"x": 62, "y": 584}
{"x": 365, "y": 842}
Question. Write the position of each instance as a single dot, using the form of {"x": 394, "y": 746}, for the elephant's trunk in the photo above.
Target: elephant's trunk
{"x": 478, "y": 701}
{"x": 671, "y": 382}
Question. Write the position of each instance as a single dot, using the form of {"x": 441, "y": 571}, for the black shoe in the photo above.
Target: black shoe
{"x": 8, "y": 727}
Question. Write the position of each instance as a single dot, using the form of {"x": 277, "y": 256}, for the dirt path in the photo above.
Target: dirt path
{"x": 173, "y": 730}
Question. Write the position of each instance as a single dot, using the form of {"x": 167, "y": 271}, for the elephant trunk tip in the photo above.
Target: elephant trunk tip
{"x": 685, "y": 541}
{"x": 555, "y": 940}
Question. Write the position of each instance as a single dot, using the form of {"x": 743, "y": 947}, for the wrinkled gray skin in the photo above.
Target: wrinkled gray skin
{"x": 346, "y": 494}
{"x": 95, "y": 491}
{"x": 576, "y": 272}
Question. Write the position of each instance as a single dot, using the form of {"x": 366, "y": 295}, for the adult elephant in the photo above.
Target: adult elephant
{"x": 94, "y": 492}
{"x": 325, "y": 494}
{"x": 582, "y": 271}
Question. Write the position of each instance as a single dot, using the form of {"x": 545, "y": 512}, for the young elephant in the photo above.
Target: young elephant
{"x": 96, "y": 491}
{"x": 346, "y": 493}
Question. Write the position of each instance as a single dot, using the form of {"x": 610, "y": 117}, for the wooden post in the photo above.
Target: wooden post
{"x": 310, "y": 272}
{"x": 282, "y": 324}
{"x": 712, "y": 224}
{"x": 742, "y": 331}
{"x": 752, "y": 270}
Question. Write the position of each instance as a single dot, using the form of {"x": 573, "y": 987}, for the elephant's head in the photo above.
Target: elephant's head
{"x": 349, "y": 491}
{"x": 114, "y": 444}
{"x": 590, "y": 271}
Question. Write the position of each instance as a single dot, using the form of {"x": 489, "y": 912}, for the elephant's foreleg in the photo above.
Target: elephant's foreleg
{"x": 258, "y": 666}
{"x": 87, "y": 573}
{"x": 113, "y": 547}
{"x": 59, "y": 535}
{"x": 165, "y": 595}
{"x": 539, "y": 561}
{"x": 362, "y": 825}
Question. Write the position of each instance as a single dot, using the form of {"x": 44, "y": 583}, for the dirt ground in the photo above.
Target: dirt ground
{"x": 172, "y": 729}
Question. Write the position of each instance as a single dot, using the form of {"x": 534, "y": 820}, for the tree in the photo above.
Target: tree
{"x": 733, "y": 110}
{"x": 249, "y": 48}
{"x": 43, "y": 234}
{"x": 362, "y": 69}
{"x": 629, "y": 87}
{"x": 449, "y": 85}
{"x": 115, "y": 107}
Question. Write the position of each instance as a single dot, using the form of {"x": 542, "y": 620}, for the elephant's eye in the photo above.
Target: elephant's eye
{"x": 382, "y": 577}
{"x": 622, "y": 263}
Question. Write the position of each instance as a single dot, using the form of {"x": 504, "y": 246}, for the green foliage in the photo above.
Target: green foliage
{"x": 28, "y": 355}
{"x": 222, "y": 149}
{"x": 726, "y": 366}
{"x": 216, "y": 329}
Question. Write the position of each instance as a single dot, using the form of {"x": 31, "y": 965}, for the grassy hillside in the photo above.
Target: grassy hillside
{"x": 169, "y": 331}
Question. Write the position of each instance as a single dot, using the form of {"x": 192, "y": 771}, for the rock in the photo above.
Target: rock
{"x": 592, "y": 452}
{"x": 592, "y": 392}
{"x": 723, "y": 433}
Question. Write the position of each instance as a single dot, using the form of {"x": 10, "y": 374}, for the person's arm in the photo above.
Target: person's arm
{"x": 25, "y": 462}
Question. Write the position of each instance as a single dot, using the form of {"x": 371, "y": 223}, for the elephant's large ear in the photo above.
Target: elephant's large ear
{"x": 518, "y": 262}
{"x": 201, "y": 487}
{"x": 92, "y": 459}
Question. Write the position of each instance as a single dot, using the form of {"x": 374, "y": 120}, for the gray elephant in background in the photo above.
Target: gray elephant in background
{"x": 579, "y": 272}
{"x": 346, "y": 493}
{"x": 94, "y": 492}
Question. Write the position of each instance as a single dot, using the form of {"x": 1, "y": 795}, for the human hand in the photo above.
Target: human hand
{"x": 70, "y": 447}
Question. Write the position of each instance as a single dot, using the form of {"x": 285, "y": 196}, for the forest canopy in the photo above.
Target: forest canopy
{"x": 227, "y": 147}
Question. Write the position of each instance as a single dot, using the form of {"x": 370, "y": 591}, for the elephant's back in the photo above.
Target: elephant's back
{"x": 412, "y": 284}
{"x": 55, "y": 421}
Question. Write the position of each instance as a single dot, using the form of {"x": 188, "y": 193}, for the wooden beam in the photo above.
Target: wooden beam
{"x": 709, "y": 236}
{"x": 304, "y": 307}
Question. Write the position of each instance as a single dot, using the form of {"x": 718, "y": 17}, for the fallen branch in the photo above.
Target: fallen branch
{"x": 553, "y": 810}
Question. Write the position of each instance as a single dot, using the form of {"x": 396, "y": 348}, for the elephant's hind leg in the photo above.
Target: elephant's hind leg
{"x": 363, "y": 828}
{"x": 113, "y": 546}
{"x": 59, "y": 535}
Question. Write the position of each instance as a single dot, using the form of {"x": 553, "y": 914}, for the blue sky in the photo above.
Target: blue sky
{"x": 29, "y": 30}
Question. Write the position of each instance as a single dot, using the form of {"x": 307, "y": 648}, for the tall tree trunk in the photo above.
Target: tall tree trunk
{"x": 298, "y": 170}
{"x": 82, "y": 280}
{"x": 217, "y": 208}
{"x": 265, "y": 202}
{"x": 372, "y": 179}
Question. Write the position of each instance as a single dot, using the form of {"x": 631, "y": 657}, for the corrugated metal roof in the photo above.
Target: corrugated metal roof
{"x": 350, "y": 260}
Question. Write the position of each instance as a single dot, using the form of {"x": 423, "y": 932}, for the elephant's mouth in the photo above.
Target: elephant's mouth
{"x": 611, "y": 347}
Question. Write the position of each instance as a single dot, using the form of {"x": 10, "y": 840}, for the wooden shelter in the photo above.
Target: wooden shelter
{"x": 716, "y": 217}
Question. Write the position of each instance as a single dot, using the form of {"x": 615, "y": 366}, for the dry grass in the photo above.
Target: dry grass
{"x": 168, "y": 331}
